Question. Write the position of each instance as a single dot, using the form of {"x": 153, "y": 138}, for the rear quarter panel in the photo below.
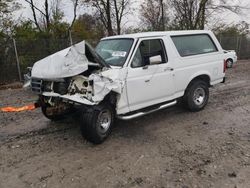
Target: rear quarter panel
{"x": 187, "y": 68}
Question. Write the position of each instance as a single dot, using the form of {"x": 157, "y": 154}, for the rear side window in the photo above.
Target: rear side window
{"x": 188, "y": 45}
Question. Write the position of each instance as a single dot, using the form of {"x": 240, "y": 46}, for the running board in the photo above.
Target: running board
{"x": 139, "y": 114}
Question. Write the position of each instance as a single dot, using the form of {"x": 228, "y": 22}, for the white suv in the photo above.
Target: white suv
{"x": 128, "y": 76}
{"x": 230, "y": 57}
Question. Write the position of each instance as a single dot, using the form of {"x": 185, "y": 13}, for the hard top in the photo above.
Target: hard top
{"x": 158, "y": 34}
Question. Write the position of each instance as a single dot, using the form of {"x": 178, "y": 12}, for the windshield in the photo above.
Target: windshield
{"x": 114, "y": 51}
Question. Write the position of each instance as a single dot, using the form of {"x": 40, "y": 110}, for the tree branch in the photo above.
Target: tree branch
{"x": 75, "y": 3}
{"x": 34, "y": 8}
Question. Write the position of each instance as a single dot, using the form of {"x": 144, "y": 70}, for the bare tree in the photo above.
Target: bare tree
{"x": 103, "y": 10}
{"x": 190, "y": 14}
{"x": 34, "y": 10}
{"x": 162, "y": 5}
{"x": 47, "y": 15}
{"x": 111, "y": 11}
{"x": 153, "y": 14}
{"x": 75, "y": 5}
{"x": 194, "y": 14}
{"x": 50, "y": 9}
{"x": 120, "y": 7}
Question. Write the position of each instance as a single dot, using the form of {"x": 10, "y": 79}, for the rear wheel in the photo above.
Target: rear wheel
{"x": 229, "y": 63}
{"x": 97, "y": 123}
{"x": 196, "y": 95}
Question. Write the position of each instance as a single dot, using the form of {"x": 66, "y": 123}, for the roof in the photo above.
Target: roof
{"x": 157, "y": 33}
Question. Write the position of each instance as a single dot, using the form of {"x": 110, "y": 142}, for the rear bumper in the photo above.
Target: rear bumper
{"x": 224, "y": 80}
{"x": 235, "y": 59}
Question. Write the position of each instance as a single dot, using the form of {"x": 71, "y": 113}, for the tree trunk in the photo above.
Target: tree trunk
{"x": 162, "y": 15}
{"x": 47, "y": 15}
{"x": 109, "y": 21}
{"x": 118, "y": 24}
{"x": 32, "y": 6}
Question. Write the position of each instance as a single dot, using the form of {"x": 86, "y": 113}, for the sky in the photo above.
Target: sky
{"x": 134, "y": 18}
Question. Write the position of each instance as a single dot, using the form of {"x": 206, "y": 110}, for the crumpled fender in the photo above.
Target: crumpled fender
{"x": 105, "y": 82}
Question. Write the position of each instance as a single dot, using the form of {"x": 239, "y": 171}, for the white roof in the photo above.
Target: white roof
{"x": 158, "y": 33}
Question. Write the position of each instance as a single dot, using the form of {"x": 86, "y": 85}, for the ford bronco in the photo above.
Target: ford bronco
{"x": 128, "y": 76}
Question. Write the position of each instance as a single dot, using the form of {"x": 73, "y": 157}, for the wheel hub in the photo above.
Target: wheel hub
{"x": 199, "y": 96}
{"x": 104, "y": 121}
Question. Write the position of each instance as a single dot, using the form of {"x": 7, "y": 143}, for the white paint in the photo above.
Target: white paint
{"x": 231, "y": 54}
{"x": 136, "y": 88}
{"x": 66, "y": 63}
{"x": 76, "y": 98}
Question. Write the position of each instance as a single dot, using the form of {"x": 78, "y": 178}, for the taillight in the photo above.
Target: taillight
{"x": 225, "y": 66}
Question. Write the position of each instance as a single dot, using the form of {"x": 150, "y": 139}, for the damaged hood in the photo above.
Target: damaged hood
{"x": 67, "y": 63}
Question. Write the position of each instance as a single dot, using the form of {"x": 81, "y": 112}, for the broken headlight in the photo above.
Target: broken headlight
{"x": 61, "y": 87}
{"x": 80, "y": 84}
{"x": 47, "y": 86}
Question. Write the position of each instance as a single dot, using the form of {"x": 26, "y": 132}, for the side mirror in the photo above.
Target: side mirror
{"x": 155, "y": 60}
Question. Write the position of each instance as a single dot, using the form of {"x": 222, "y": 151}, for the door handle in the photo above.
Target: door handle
{"x": 169, "y": 69}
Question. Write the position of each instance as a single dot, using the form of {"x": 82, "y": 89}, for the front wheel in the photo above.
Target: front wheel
{"x": 97, "y": 123}
{"x": 196, "y": 96}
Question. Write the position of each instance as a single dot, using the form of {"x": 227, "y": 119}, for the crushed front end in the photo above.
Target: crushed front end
{"x": 70, "y": 78}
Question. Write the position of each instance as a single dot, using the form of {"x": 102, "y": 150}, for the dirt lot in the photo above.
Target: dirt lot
{"x": 170, "y": 148}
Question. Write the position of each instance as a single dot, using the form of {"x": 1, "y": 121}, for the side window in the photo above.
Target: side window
{"x": 147, "y": 49}
{"x": 188, "y": 45}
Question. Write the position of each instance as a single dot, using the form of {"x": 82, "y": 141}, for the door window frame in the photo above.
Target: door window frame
{"x": 162, "y": 41}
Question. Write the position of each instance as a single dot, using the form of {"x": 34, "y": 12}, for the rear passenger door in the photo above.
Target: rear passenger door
{"x": 149, "y": 84}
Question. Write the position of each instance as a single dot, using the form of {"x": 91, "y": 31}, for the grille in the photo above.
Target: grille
{"x": 36, "y": 85}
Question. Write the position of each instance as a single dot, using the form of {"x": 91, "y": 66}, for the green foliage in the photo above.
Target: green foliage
{"x": 25, "y": 30}
{"x": 89, "y": 28}
{"x": 32, "y": 44}
{"x": 59, "y": 28}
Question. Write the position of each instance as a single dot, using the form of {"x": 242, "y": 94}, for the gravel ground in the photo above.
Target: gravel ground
{"x": 169, "y": 148}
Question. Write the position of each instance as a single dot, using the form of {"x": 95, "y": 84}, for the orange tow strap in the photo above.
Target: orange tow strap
{"x": 18, "y": 109}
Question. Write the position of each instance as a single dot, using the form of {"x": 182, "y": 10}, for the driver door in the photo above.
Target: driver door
{"x": 149, "y": 83}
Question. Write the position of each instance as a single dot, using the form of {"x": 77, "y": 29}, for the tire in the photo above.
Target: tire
{"x": 196, "y": 96}
{"x": 230, "y": 63}
{"x": 97, "y": 123}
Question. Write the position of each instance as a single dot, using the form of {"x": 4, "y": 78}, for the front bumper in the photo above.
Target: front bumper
{"x": 76, "y": 98}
